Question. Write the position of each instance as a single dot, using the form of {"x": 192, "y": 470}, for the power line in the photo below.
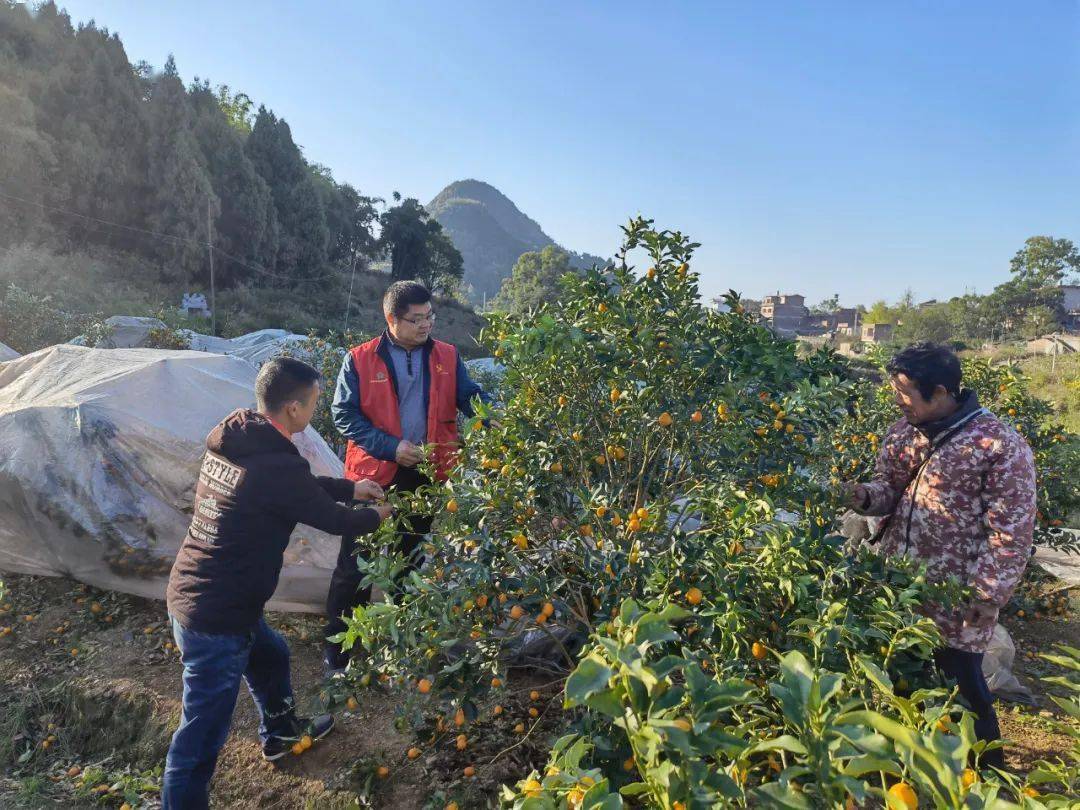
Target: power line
{"x": 178, "y": 239}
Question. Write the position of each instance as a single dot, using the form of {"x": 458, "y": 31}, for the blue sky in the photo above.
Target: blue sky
{"x": 852, "y": 148}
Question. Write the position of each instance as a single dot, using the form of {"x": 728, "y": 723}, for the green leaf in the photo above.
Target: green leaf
{"x": 590, "y": 676}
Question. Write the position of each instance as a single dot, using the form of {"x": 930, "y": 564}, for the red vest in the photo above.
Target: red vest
{"x": 379, "y": 403}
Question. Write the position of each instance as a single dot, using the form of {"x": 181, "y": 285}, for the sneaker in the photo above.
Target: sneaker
{"x": 334, "y": 666}
{"x": 278, "y": 745}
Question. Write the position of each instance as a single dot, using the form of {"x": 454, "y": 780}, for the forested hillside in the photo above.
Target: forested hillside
{"x": 114, "y": 177}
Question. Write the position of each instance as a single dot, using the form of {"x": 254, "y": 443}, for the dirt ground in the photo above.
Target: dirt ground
{"x": 91, "y": 695}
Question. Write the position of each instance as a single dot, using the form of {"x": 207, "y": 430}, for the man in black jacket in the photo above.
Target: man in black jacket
{"x": 253, "y": 488}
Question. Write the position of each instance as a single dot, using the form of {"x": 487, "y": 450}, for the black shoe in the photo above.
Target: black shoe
{"x": 278, "y": 745}
{"x": 334, "y": 666}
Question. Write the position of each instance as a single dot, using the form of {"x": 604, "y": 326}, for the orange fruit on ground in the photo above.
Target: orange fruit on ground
{"x": 642, "y": 513}
{"x": 616, "y": 520}
{"x": 601, "y": 511}
{"x": 615, "y": 394}
{"x": 451, "y": 506}
{"x": 533, "y": 712}
{"x": 576, "y": 436}
{"x": 534, "y": 695}
{"x": 74, "y": 771}
{"x": 694, "y": 596}
{"x": 586, "y": 530}
{"x": 634, "y": 524}
{"x": 516, "y": 612}
{"x": 563, "y": 400}
{"x": 696, "y": 416}
{"x": 459, "y": 718}
{"x": 629, "y": 764}
{"x": 482, "y": 600}
{"x": 497, "y": 711}
{"x": 601, "y": 308}
{"x": 462, "y": 742}
{"x": 555, "y": 467}
{"x": 451, "y": 806}
{"x": 759, "y": 650}
{"x": 306, "y": 742}
{"x": 469, "y": 772}
{"x": 414, "y": 753}
{"x": 383, "y": 772}
{"x": 548, "y": 609}
{"x": 351, "y": 704}
{"x": 521, "y": 541}
{"x": 542, "y": 618}
{"x": 297, "y": 749}
{"x": 903, "y": 792}
{"x": 496, "y": 683}
{"x": 520, "y": 728}
{"x": 424, "y": 686}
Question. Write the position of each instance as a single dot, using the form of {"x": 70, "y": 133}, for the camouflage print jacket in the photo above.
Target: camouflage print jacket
{"x": 969, "y": 513}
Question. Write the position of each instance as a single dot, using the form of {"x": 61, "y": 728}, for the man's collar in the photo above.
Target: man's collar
{"x": 389, "y": 338}
{"x": 967, "y": 403}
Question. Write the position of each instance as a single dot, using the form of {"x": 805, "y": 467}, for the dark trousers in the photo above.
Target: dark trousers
{"x": 345, "y": 591}
{"x": 213, "y": 667}
{"x": 965, "y": 670}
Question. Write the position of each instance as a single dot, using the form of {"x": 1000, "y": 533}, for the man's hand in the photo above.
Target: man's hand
{"x": 854, "y": 495}
{"x": 981, "y": 615}
{"x": 385, "y": 510}
{"x": 367, "y": 491}
{"x": 408, "y": 454}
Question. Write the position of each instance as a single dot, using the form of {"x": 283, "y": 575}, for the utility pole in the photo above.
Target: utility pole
{"x": 210, "y": 253}
{"x": 348, "y": 303}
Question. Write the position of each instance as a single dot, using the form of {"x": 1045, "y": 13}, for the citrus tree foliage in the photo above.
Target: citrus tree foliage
{"x": 654, "y": 499}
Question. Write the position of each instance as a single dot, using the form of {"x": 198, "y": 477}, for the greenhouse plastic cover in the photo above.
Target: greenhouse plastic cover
{"x": 254, "y": 347}
{"x": 101, "y": 450}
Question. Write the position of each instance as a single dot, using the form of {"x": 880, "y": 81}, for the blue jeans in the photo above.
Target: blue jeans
{"x": 213, "y": 667}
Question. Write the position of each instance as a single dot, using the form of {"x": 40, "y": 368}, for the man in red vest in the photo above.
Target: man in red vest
{"x": 396, "y": 395}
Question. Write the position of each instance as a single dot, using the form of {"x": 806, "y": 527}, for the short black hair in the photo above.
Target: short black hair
{"x": 283, "y": 380}
{"x": 403, "y": 294}
{"x": 929, "y": 365}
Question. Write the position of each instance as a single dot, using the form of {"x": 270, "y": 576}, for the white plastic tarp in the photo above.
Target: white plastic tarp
{"x": 101, "y": 449}
{"x": 7, "y": 353}
{"x": 129, "y": 331}
{"x": 254, "y": 347}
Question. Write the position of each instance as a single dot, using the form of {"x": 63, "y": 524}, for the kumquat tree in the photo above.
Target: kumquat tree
{"x": 648, "y": 518}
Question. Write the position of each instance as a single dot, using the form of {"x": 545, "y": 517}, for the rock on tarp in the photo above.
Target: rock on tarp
{"x": 7, "y": 353}
{"x": 101, "y": 448}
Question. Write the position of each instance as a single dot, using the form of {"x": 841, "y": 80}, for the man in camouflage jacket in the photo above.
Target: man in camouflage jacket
{"x": 957, "y": 487}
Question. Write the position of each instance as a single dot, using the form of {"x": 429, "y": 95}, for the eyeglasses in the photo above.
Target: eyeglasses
{"x": 429, "y": 318}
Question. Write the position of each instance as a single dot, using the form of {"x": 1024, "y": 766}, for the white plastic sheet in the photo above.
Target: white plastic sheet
{"x": 100, "y": 453}
{"x": 255, "y": 347}
{"x": 7, "y": 353}
{"x": 997, "y": 668}
{"x": 129, "y": 331}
